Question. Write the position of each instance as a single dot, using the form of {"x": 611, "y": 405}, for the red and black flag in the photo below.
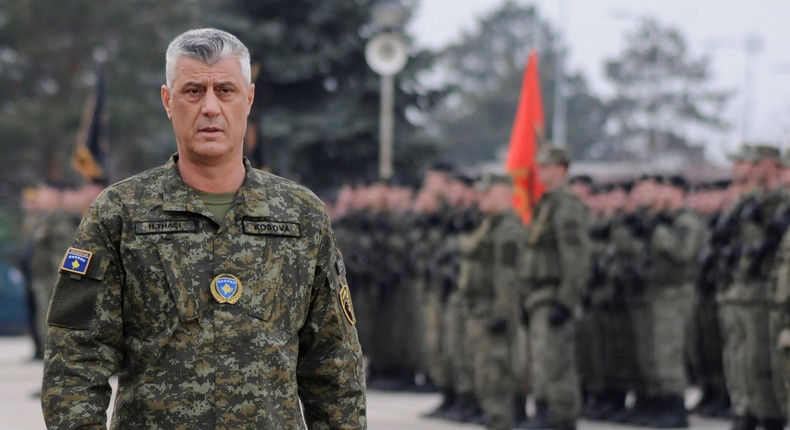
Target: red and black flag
{"x": 524, "y": 140}
{"x": 91, "y": 147}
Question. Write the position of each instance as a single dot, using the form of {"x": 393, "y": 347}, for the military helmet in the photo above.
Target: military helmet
{"x": 763, "y": 152}
{"x": 744, "y": 153}
{"x": 549, "y": 154}
{"x": 488, "y": 180}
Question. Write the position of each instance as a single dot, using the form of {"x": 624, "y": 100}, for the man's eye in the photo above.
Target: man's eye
{"x": 225, "y": 90}
{"x": 194, "y": 91}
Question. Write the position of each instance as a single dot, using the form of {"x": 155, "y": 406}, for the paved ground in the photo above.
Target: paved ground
{"x": 20, "y": 410}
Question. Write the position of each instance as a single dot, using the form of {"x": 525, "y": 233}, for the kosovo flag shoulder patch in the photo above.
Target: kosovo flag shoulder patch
{"x": 76, "y": 261}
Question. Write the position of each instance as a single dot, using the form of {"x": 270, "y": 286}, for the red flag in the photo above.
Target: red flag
{"x": 527, "y": 130}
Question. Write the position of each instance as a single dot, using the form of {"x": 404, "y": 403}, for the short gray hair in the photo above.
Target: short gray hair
{"x": 208, "y": 45}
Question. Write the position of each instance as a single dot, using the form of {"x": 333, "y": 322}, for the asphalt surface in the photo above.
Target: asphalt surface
{"x": 20, "y": 378}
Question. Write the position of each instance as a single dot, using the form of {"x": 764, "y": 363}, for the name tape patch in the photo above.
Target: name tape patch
{"x": 76, "y": 261}
{"x": 166, "y": 226}
{"x": 272, "y": 228}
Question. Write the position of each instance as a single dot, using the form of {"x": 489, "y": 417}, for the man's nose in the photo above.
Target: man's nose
{"x": 210, "y": 104}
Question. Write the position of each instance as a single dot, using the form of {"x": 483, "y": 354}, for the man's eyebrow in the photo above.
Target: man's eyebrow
{"x": 193, "y": 84}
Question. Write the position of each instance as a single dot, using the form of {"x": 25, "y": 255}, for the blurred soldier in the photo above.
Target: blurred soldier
{"x": 673, "y": 245}
{"x": 743, "y": 300}
{"x": 777, "y": 241}
{"x": 609, "y": 287}
{"x": 581, "y": 186}
{"x": 464, "y": 218}
{"x": 556, "y": 265}
{"x": 589, "y": 342}
{"x": 705, "y": 342}
{"x": 488, "y": 288}
{"x": 50, "y": 231}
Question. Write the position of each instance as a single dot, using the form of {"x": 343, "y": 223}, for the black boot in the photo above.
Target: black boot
{"x": 720, "y": 406}
{"x": 773, "y": 423}
{"x": 744, "y": 422}
{"x": 463, "y": 403}
{"x": 613, "y": 404}
{"x": 519, "y": 411}
{"x": 565, "y": 426}
{"x": 474, "y": 414}
{"x": 448, "y": 398}
{"x": 593, "y": 403}
{"x": 670, "y": 413}
{"x": 705, "y": 401}
{"x": 644, "y": 411}
{"x": 541, "y": 418}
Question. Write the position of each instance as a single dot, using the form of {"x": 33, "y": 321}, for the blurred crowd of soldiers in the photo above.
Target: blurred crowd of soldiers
{"x": 52, "y": 215}
{"x": 608, "y": 305}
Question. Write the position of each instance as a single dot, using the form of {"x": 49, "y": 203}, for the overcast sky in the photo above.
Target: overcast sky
{"x": 594, "y": 31}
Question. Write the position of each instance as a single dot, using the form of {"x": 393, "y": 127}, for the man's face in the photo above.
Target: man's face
{"x": 551, "y": 175}
{"x": 741, "y": 171}
{"x": 208, "y": 105}
{"x": 784, "y": 177}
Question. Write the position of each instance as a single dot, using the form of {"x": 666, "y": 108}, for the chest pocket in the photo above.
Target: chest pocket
{"x": 273, "y": 271}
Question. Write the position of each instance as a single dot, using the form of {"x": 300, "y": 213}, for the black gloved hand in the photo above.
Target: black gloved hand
{"x": 558, "y": 315}
{"x": 497, "y": 326}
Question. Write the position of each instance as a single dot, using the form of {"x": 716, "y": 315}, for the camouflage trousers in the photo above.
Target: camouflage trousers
{"x": 705, "y": 345}
{"x": 669, "y": 314}
{"x": 591, "y": 350}
{"x": 747, "y": 359}
{"x": 493, "y": 378}
{"x": 553, "y": 373}
{"x": 456, "y": 352}
{"x": 780, "y": 355}
{"x": 433, "y": 311}
{"x": 42, "y": 288}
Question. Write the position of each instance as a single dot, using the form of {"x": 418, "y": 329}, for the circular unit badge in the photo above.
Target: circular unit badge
{"x": 226, "y": 288}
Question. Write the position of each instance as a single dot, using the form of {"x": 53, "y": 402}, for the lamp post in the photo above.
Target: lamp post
{"x": 386, "y": 55}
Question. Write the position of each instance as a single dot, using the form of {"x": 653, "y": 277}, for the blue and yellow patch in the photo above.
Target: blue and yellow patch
{"x": 226, "y": 288}
{"x": 76, "y": 261}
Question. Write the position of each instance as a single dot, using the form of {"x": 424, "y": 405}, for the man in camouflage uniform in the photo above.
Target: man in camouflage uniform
{"x": 777, "y": 242}
{"x": 463, "y": 218}
{"x": 52, "y": 233}
{"x": 674, "y": 241}
{"x": 556, "y": 265}
{"x": 488, "y": 287}
{"x": 214, "y": 291}
{"x": 743, "y": 300}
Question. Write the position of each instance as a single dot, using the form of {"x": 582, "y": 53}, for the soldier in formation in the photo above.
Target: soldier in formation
{"x": 631, "y": 291}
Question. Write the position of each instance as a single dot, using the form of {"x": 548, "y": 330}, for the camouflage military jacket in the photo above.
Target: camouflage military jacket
{"x": 508, "y": 238}
{"x": 749, "y": 285}
{"x": 673, "y": 249}
{"x": 557, "y": 253}
{"x": 140, "y": 303}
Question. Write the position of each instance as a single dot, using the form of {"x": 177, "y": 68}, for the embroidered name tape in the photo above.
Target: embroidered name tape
{"x": 166, "y": 226}
{"x": 272, "y": 228}
{"x": 76, "y": 261}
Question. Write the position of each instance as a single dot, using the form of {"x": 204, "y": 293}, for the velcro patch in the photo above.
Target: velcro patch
{"x": 166, "y": 226}
{"x": 272, "y": 228}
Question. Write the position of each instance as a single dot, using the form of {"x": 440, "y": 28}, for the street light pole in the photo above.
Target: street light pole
{"x": 386, "y": 55}
{"x": 386, "y": 126}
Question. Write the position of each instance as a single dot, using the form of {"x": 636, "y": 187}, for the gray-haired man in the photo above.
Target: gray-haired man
{"x": 215, "y": 291}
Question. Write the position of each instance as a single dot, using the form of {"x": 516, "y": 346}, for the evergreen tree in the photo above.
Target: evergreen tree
{"x": 50, "y": 52}
{"x": 485, "y": 68}
{"x": 663, "y": 97}
{"x": 317, "y": 100}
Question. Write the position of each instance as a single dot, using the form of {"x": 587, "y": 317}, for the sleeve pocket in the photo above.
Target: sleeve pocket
{"x": 73, "y": 302}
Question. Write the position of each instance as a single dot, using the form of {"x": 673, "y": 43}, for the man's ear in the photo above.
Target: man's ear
{"x": 166, "y": 99}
